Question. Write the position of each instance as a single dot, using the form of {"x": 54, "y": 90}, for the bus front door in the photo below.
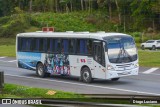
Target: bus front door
{"x": 99, "y": 69}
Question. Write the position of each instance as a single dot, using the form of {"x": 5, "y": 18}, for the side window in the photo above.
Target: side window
{"x": 64, "y": 47}
{"x": 41, "y": 45}
{"x": 78, "y": 46}
{"x": 89, "y": 47}
{"x": 28, "y": 44}
{"x": 19, "y": 44}
{"x": 72, "y": 46}
{"x": 84, "y": 46}
{"x": 50, "y": 45}
{"x": 35, "y": 44}
{"x": 24, "y": 44}
{"x": 23, "y": 40}
{"x": 49, "y": 41}
{"x": 57, "y": 44}
{"x": 98, "y": 52}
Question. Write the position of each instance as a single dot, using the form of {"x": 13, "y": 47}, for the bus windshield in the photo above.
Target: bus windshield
{"x": 121, "y": 49}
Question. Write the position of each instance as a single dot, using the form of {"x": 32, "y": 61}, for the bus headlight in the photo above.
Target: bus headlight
{"x": 136, "y": 65}
{"x": 109, "y": 67}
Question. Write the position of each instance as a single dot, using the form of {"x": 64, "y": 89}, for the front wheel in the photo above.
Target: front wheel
{"x": 86, "y": 75}
{"x": 40, "y": 71}
{"x": 115, "y": 79}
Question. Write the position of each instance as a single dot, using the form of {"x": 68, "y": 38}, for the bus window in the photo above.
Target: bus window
{"x": 41, "y": 44}
{"x": 64, "y": 48}
{"x": 23, "y": 40}
{"x": 57, "y": 43}
{"x": 28, "y": 44}
{"x": 89, "y": 47}
{"x": 71, "y": 46}
{"x": 83, "y": 46}
{"x": 19, "y": 44}
{"x": 33, "y": 47}
{"x": 48, "y": 45}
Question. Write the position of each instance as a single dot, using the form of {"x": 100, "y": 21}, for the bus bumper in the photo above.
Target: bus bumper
{"x": 116, "y": 74}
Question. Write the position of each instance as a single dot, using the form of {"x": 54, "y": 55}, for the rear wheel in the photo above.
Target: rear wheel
{"x": 153, "y": 47}
{"x": 86, "y": 75}
{"x": 40, "y": 71}
{"x": 142, "y": 47}
{"x": 115, "y": 79}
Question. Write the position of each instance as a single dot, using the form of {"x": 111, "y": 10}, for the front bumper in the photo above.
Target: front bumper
{"x": 116, "y": 74}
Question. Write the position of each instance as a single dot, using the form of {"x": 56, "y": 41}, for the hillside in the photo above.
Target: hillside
{"x": 75, "y": 21}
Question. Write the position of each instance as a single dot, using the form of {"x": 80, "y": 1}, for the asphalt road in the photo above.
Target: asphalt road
{"x": 146, "y": 83}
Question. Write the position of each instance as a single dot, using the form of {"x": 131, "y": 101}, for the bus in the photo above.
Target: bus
{"x": 86, "y": 55}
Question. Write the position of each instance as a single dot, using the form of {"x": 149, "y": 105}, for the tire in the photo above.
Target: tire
{"x": 153, "y": 47}
{"x": 142, "y": 47}
{"x": 86, "y": 75}
{"x": 115, "y": 79}
{"x": 40, "y": 71}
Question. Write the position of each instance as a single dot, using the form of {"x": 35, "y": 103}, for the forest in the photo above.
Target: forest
{"x": 139, "y": 17}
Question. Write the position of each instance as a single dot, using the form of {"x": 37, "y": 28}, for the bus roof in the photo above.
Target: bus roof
{"x": 69, "y": 34}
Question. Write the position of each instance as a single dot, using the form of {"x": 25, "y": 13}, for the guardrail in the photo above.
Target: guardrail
{"x": 1, "y": 81}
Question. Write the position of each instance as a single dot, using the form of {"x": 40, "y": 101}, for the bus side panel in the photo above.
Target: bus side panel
{"x": 77, "y": 62}
{"x": 56, "y": 63}
{"x": 28, "y": 60}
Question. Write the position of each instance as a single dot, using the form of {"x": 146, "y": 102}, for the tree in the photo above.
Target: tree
{"x": 143, "y": 14}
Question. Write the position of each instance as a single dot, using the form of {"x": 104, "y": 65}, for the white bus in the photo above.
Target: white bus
{"x": 86, "y": 55}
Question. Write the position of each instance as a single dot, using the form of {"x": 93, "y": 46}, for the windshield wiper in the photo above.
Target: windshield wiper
{"x": 123, "y": 53}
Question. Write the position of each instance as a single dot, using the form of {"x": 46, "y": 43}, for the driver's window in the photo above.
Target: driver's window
{"x": 98, "y": 53}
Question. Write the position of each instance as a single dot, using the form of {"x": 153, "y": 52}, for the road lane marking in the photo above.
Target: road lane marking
{"x": 87, "y": 85}
{"x": 8, "y": 61}
{"x": 2, "y": 57}
{"x": 150, "y": 70}
{"x": 149, "y": 73}
{"x": 12, "y": 61}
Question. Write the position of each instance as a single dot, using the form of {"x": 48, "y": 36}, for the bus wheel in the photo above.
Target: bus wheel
{"x": 40, "y": 70}
{"x": 86, "y": 75}
{"x": 115, "y": 79}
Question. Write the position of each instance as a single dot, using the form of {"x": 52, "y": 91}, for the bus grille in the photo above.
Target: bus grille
{"x": 124, "y": 67}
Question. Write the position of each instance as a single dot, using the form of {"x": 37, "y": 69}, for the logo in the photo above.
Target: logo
{"x": 83, "y": 60}
{"x": 6, "y": 101}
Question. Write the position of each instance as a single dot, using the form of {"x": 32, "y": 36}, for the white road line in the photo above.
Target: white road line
{"x": 12, "y": 61}
{"x": 87, "y": 85}
{"x": 6, "y": 61}
{"x": 2, "y": 57}
{"x": 150, "y": 70}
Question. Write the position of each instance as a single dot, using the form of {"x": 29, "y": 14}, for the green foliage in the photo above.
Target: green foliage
{"x": 64, "y": 21}
{"x": 149, "y": 58}
{"x": 136, "y": 34}
{"x": 31, "y": 92}
{"x": 16, "y": 23}
{"x": 7, "y": 50}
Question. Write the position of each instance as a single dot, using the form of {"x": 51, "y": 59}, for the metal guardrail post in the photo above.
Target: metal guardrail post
{"x": 1, "y": 81}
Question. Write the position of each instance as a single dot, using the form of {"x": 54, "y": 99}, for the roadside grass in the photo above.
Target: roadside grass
{"x": 7, "y": 41}
{"x": 19, "y": 91}
{"x": 7, "y": 50}
{"x": 32, "y": 92}
{"x": 7, "y": 47}
{"x": 149, "y": 58}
